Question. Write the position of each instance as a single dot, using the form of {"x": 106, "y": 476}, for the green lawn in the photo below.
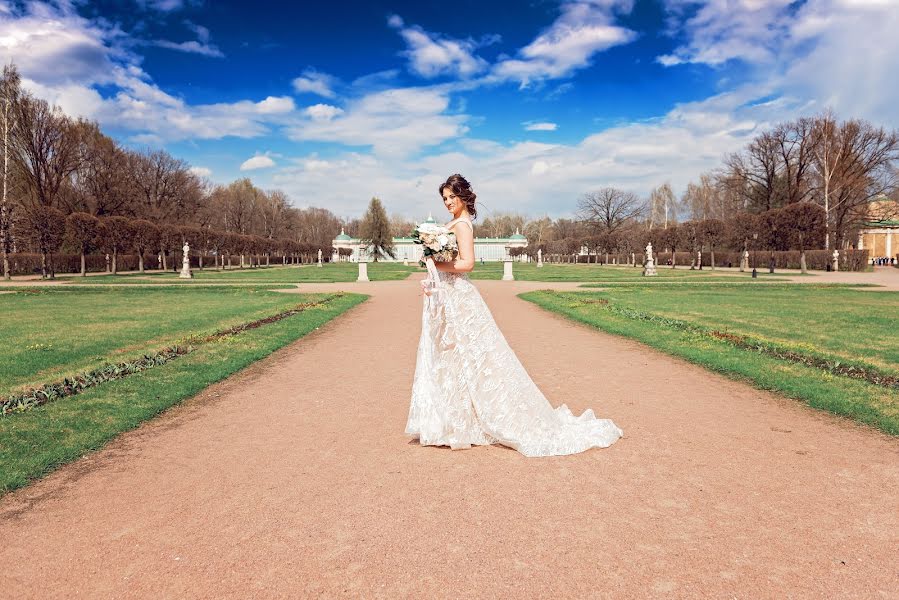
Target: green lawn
{"x": 49, "y": 333}
{"x": 329, "y": 273}
{"x": 125, "y": 321}
{"x": 837, "y": 328}
{"x": 604, "y": 273}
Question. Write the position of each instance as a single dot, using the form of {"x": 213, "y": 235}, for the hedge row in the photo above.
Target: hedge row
{"x": 850, "y": 260}
{"x": 26, "y": 263}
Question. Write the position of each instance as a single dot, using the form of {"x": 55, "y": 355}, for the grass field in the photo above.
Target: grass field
{"x": 121, "y": 322}
{"x": 839, "y": 330}
{"x": 604, "y": 273}
{"x": 344, "y": 272}
{"x": 49, "y": 333}
{"x": 329, "y": 273}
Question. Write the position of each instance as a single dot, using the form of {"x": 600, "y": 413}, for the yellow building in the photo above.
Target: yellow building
{"x": 880, "y": 233}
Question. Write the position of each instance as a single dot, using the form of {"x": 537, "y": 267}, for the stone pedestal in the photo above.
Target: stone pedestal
{"x": 185, "y": 264}
{"x": 363, "y": 271}
{"x": 507, "y": 270}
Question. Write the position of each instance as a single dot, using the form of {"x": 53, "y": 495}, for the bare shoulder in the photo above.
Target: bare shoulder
{"x": 452, "y": 224}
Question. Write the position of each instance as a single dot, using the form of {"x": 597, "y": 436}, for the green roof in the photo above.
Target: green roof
{"x": 883, "y": 223}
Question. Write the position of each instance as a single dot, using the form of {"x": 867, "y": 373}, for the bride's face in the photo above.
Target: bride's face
{"x": 452, "y": 202}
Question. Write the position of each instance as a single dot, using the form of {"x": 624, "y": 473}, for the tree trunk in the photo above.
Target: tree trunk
{"x": 713, "y": 258}
{"x": 802, "y": 261}
{"x": 165, "y": 263}
{"x": 83, "y": 266}
{"x": 140, "y": 261}
{"x": 115, "y": 261}
{"x": 200, "y": 260}
{"x": 43, "y": 265}
{"x": 673, "y": 258}
{"x": 52, "y": 270}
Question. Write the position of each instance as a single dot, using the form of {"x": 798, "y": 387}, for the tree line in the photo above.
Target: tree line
{"x": 805, "y": 184}
{"x": 68, "y": 185}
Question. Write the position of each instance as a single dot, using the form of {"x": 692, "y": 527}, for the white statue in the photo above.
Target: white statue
{"x": 185, "y": 263}
{"x": 319, "y": 257}
{"x": 539, "y": 257}
{"x": 649, "y": 268}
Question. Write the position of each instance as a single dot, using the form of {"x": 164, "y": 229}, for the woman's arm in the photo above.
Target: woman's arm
{"x": 465, "y": 260}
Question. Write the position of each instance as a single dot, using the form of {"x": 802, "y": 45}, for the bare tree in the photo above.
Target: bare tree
{"x": 100, "y": 184}
{"x": 45, "y": 226}
{"x": 45, "y": 149}
{"x": 145, "y": 238}
{"x": 10, "y": 90}
{"x": 854, "y": 163}
{"x": 662, "y": 206}
{"x": 81, "y": 231}
{"x": 609, "y": 208}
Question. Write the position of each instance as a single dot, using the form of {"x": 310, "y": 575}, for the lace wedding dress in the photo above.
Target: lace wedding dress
{"x": 470, "y": 388}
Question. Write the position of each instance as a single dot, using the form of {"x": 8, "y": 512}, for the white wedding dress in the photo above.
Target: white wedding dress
{"x": 470, "y": 388}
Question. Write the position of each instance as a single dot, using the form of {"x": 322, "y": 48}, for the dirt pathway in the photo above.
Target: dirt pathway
{"x": 294, "y": 479}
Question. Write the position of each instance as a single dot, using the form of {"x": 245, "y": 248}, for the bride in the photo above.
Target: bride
{"x": 469, "y": 387}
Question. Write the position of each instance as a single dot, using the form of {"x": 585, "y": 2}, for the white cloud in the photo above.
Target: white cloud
{"x": 431, "y": 55}
{"x": 257, "y": 162}
{"x": 398, "y": 121}
{"x": 274, "y": 105}
{"x": 191, "y": 47}
{"x": 537, "y": 178}
{"x": 584, "y": 28}
{"x": 540, "y": 126}
{"x": 837, "y": 53}
{"x": 162, "y": 5}
{"x": 201, "y": 171}
{"x": 64, "y": 57}
{"x": 314, "y": 82}
{"x": 323, "y": 112}
{"x": 721, "y": 30}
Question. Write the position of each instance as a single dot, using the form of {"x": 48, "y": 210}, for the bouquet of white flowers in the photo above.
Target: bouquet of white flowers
{"x": 438, "y": 241}
{"x": 439, "y": 244}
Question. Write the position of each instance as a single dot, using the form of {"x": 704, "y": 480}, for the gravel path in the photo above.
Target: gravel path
{"x": 294, "y": 479}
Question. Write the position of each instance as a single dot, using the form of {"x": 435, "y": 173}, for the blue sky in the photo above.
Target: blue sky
{"x": 535, "y": 102}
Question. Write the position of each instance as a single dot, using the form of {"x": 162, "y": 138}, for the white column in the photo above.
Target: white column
{"x": 889, "y": 246}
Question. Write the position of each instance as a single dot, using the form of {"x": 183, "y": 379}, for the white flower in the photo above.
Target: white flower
{"x": 443, "y": 239}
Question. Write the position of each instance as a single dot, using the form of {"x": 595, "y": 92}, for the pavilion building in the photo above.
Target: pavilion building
{"x": 880, "y": 233}
{"x": 485, "y": 249}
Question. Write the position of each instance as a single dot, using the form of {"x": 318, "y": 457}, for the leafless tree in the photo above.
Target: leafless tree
{"x": 607, "y": 209}
{"x": 662, "y": 206}
{"x": 854, "y": 163}
{"x": 45, "y": 149}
